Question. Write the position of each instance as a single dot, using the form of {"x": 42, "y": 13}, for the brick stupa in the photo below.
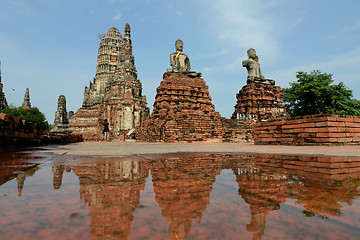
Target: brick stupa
{"x": 182, "y": 112}
{"x": 260, "y": 101}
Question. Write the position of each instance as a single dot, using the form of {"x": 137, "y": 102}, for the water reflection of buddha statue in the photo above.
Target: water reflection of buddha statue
{"x": 263, "y": 192}
{"x": 182, "y": 186}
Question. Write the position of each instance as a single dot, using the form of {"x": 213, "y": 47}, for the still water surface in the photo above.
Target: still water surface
{"x": 175, "y": 196}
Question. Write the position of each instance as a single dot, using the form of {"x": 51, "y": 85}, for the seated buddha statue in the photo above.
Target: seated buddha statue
{"x": 180, "y": 62}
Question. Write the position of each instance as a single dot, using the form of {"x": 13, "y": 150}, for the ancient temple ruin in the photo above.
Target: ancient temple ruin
{"x": 26, "y": 103}
{"x": 61, "y": 122}
{"x": 259, "y": 99}
{"x": 115, "y": 93}
{"x": 3, "y": 102}
{"x": 182, "y": 110}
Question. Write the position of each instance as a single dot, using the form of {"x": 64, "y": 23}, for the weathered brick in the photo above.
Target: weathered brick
{"x": 330, "y": 135}
{"x": 352, "y": 124}
{"x": 193, "y": 116}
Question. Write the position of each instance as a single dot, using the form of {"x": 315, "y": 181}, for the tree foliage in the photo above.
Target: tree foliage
{"x": 31, "y": 115}
{"x": 313, "y": 94}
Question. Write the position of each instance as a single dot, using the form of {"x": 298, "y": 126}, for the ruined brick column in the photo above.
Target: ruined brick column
{"x": 182, "y": 112}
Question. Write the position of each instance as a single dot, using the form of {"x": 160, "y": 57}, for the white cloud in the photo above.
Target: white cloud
{"x": 243, "y": 24}
{"x": 117, "y": 16}
{"x": 17, "y": 7}
{"x": 114, "y": 1}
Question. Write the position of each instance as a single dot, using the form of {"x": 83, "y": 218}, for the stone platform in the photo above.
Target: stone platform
{"x": 182, "y": 112}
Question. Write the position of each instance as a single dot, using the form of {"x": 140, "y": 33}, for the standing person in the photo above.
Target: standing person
{"x": 106, "y": 130}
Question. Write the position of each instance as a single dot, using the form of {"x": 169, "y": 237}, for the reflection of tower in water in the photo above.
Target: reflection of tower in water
{"x": 263, "y": 191}
{"x": 182, "y": 186}
{"x": 58, "y": 171}
{"x": 20, "y": 182}
{"x": 112, "y": 191}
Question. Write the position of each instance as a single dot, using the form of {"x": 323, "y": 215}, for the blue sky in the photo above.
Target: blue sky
{"x": 51, "y": 46}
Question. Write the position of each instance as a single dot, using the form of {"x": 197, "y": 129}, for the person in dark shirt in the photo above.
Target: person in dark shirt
{"x": 106, "y": 130}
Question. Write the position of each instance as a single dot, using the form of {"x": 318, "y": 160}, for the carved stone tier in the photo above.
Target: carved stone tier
{"x": 259, "y": 101}
{"x": 182, "y": 112}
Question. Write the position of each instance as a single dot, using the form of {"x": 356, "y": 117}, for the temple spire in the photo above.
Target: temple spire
{"x": 26, "y": 103}
{"x": 3, "y": 102}
{"x": 127, "y": 35}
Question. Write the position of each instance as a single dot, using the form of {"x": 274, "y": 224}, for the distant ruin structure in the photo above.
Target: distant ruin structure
{"x": 26, "y": 103}
{"x": 259, "y": 99}
{"x": 115, "y": 93}
{"x": 3, "y": 102}
{"x": 61, "y": 122}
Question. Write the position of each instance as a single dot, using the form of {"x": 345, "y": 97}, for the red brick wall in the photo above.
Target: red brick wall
{"x": 309, "y": 130}
{"x": 237, "y": 130}
{"x": 15, "y": 132}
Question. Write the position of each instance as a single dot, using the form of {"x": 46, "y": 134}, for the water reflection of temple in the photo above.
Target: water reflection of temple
{"x": 313, "y": 181}
{"x": 264, "y": 192}
{"x": 58, "y": 171}
{"x": 182, "y": 185}
{"x": 322, "y": 198}
{"x": 112, "y": 191}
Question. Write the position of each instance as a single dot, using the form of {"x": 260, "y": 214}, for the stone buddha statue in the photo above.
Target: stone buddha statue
{"x": 180, "y": 62}
{"x": 253, "y": 67}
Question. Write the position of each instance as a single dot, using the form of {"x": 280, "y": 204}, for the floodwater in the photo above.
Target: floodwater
{"x": 178, "y": 196}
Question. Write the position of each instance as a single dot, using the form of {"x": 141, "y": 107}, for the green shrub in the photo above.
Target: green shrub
{"x": 31, "y": 115}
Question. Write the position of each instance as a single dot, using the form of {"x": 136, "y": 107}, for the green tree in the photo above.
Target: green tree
{"x": 31, "y": 115}
{"x": 313, "y": 94}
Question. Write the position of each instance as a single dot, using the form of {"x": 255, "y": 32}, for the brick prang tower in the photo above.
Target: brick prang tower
{"x": 115, "y": 93}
